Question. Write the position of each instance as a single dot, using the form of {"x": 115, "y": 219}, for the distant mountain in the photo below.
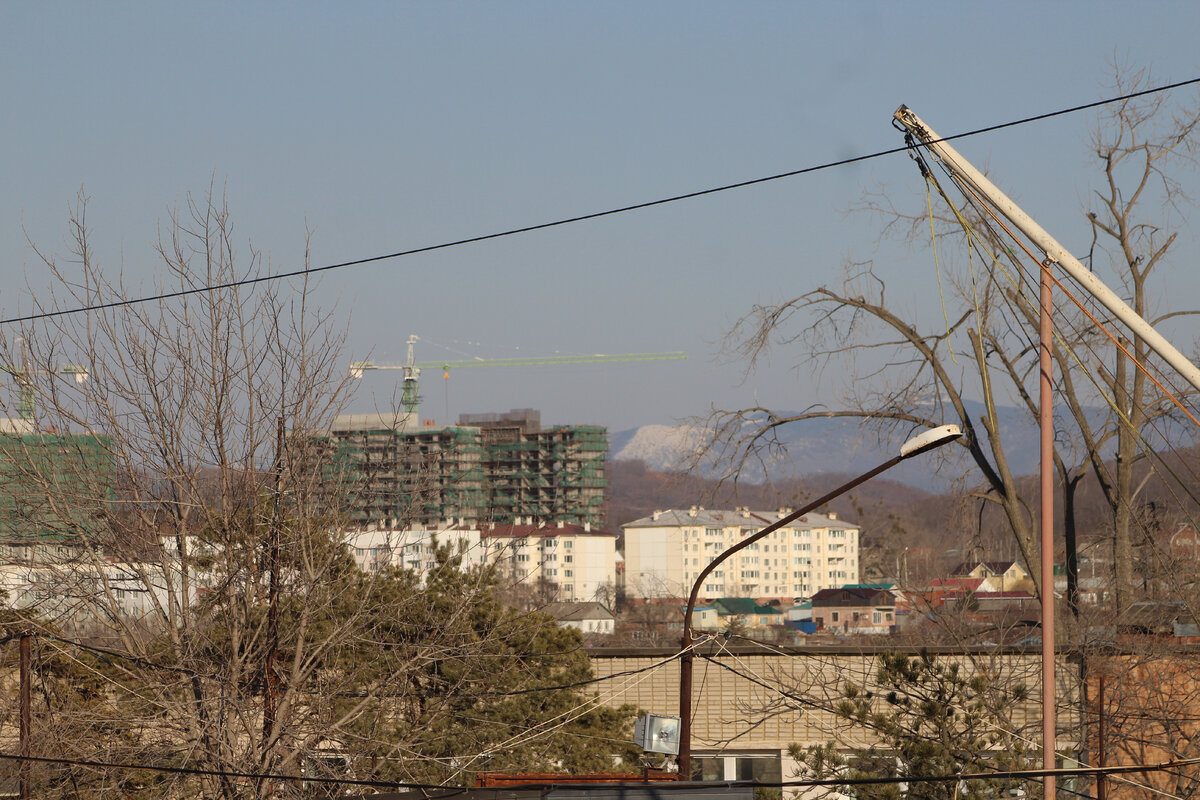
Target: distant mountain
{"x": 821, "y": 446}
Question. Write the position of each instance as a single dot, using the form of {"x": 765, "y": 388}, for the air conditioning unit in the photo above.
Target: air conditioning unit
{"x": 657, "y": 734}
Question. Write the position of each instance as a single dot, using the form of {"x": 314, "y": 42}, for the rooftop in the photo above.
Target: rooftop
{"x": 698, "y": 516}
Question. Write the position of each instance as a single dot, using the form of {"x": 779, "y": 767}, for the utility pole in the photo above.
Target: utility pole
{"x": 26, "y": 711}
{"x": 1102, "y": 778}
{"x": 270, "y": 676}
{"x": 1046, "y": 479}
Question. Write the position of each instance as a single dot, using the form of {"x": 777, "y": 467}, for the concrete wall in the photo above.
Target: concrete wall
{"x": 746, "y": 715}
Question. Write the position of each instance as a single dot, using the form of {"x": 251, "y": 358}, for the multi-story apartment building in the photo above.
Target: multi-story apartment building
{"x": 571, "y": 563}
{"x": 393, "y": 471}
{"x": 666, "y": 551}
{"x": 576, "y": 562}
{"x": 375, "y": 549}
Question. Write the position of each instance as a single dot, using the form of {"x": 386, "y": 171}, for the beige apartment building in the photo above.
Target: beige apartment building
{"x": 578, "y": 562}
{"x": 666, "y": 551}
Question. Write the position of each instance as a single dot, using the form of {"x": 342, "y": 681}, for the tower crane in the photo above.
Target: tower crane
{"x": 22, "y": 375}
{"x": 410, "y": 397}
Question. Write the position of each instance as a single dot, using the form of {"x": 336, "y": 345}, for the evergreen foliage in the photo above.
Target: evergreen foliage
{"x": 928, "y": 718}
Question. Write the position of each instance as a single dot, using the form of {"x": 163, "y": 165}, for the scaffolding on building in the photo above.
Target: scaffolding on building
{"x": 54, "y": 487}
{"x": 490, "y": 468}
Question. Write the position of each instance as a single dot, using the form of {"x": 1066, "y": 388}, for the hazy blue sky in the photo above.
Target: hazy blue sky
{"x": 387, "y": 126}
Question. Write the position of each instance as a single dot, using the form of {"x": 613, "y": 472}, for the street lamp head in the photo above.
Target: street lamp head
{"x": 928, "y": 440}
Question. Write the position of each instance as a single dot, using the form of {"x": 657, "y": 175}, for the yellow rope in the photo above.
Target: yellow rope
{"x": 937, "y": 268}
{"x": 975, "y": 241}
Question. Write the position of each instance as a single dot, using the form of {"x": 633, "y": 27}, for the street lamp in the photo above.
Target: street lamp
{"x": 921, "y": 443}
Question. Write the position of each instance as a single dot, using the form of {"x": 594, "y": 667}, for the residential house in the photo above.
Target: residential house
{"x": 745, "y": 613}
{"x": 1185, "y": 543}
{"x": 851, "y": 609}
{"x": 584, "y": 617}
{"x": 995, "y": 576}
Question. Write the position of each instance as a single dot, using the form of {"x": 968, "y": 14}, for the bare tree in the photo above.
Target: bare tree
{"x": 182, "y": 518}
{"x": 901, "y": 375}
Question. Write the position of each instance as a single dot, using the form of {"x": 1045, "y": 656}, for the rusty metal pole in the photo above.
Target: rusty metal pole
{"x": 685, "y": 698}
{"x": 26, "y": 712}
{"x": 1101, "y": 778}
{"x": 1046, "y": 400}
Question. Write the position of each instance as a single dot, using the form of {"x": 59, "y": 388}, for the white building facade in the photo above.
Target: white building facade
{"x": 576, "y": 560}
{"x": 373, "y": 550}
{"x": 665, "y": 553}
{"x": 80, "y": 591}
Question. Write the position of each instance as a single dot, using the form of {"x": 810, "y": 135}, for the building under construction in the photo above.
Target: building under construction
{"x": 393, "y": 472}
{"x": 54, "y": 487}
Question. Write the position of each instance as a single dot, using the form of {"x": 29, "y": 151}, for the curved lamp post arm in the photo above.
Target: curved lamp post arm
{"x": 922, "y": 443}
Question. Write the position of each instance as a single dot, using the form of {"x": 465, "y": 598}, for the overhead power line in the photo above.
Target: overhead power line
{"x": 664, "y": 787}
{"x": 582, "y": 217}
{"x": 149, "y": 664}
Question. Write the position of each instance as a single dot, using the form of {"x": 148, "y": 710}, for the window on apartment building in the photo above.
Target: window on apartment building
{"x": 568, "y": 588}
{"x": 712, "y": 588}
{"x": 568, "y": 573}
{"x": 876, "y": 618}
{"x": 568, "y": 544}
{"x": 567, "y": 559}
{"x": 834, "y": 616}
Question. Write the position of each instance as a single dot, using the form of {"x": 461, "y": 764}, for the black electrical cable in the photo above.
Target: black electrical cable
{"x": 661, "y": 786}
{"x": 513, "y": 693}
{"x": 218, "y": 773}
{"x": 583, "y": 217}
